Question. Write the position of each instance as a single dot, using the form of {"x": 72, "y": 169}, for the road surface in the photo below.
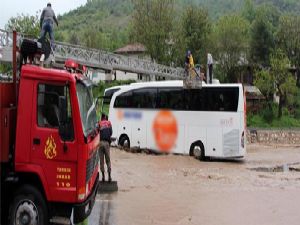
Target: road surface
{"x": 174, "y": 189}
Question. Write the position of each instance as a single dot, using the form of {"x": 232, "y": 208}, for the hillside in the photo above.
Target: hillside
{"x": 105, "y": 23}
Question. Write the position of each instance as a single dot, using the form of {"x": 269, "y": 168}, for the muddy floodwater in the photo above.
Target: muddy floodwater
{"x": 262, "y": 189}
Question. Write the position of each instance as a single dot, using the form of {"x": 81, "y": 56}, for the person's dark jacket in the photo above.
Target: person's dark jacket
{"x": 105, "y": 130}
{"x": 48, "y": 14}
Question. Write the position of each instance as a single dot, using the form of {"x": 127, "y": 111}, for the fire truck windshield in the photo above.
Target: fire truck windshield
{"x": 86, "y": 107}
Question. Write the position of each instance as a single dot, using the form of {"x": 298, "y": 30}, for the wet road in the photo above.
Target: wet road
{"x": 165, "y": 190}
{"x": 104, "y": 210}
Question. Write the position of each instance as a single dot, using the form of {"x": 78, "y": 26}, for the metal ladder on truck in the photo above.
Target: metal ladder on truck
{"x": 94, "y": 58}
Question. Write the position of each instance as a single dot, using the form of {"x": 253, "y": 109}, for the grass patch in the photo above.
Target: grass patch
{"x": 284, "y": 122}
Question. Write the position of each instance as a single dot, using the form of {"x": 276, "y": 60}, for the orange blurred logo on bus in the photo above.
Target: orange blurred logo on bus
{"x": 119, "y": 114}
{"x": 165, "y": 130}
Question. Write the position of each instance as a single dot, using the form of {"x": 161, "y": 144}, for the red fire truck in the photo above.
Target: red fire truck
{"x": 48, "y": 144}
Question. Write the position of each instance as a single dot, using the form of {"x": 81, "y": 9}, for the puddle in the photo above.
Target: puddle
{"x": 104, "y": 211}
{"x": 295, "y": 167}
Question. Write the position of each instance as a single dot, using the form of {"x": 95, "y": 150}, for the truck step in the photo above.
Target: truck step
{"x": 107, "y": 187}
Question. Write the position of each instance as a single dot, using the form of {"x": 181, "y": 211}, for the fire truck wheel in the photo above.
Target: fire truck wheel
{"x": 28, "y": 207}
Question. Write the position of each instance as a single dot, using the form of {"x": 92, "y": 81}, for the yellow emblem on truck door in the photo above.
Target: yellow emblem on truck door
{"x": 50, "y": 148}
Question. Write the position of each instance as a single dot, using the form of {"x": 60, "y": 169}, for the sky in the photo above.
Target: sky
{"x": 11, "y": 8}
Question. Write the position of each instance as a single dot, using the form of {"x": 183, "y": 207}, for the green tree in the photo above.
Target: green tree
{"x": 93, "y": 38}
{"x": 248, "y": 11}
{"x": 262, "y": 34}
{"x": 278, "y": 80}
{"x": 265, "y": 82}
{"x": 152, "y": 25}
{"x": 231, "y": 44}
{"x": 74, "y": 39}
{"x": 28, "y": 25}
{"x": 288, "y": 37}
{"x": 5, "y": 68}
{"x": 195, "y": 28}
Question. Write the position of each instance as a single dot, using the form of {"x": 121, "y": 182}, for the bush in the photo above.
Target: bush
{"x": 267, "y": 114}
{"x": 297, "y": 113}
{"x": 267, "y": 119}
{"x": 284, "y": 122}
{"x": 256, "y": 121}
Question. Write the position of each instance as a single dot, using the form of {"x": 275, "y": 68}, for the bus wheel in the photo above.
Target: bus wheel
{"x": 28, "y": 207}
{"x": 197, "y": 150}
{"x": 124, "y": 142}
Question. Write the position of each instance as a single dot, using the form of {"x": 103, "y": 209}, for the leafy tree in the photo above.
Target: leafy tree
{"x": 74, "y": 39}
{"x": 90, "y": 38}
{"x": 262, "y": 34}
{"x": 278, "y": 80}
{"x": 195, "y": 28}
{"x": 5, "y": 68}
{"x": 261, "y": 43}
{"x": 93, "y": 38}
{"x": 248, "y": 11}
{"x": 270, "y": 12}
{"x": 288, "y": 37}
{"x": 29, "y": 25}
{"x": 152, "y": 24}
{"x": 265, "y": 82}
{"x": 231, "y": 44}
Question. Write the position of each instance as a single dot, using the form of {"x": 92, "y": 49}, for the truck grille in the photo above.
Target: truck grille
{"x": 91, "y": 164}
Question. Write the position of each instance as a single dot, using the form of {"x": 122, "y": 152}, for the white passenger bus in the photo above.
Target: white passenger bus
{"x": 165, "y": 117}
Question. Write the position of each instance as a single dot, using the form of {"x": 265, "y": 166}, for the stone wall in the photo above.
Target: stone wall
{"x": 273, "y": 136}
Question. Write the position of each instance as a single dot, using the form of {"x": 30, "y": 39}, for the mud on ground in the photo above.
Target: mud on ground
{"x": 172, "y": 189}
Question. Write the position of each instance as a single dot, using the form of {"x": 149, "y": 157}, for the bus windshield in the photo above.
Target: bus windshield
{"x": 107, "y": 98}
{"x": 86, "y": 107}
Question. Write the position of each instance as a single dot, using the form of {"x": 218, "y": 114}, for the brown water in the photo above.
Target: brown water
{"x": 170, "y": 189}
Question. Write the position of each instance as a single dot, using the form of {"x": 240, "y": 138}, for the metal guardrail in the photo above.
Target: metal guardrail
{"x": 99, "y": 59}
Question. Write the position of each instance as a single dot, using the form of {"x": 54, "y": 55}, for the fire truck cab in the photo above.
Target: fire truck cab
{"x": 48, "y": 146}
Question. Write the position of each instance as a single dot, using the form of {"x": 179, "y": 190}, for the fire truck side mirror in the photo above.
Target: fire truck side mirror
{"x": 63, "y": 131}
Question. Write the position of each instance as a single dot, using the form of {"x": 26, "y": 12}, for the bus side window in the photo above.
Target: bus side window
{"x": 222, "y": 99}
{"x": 210, "y": 100}
{"x": 171, "y": 98}
{"x": 144, "y": 98}
{"x": 231, "y": 98}
{"x": 193, "y": 99}
{"x": 124, "y": 100}
{"x": 221, "y": 102}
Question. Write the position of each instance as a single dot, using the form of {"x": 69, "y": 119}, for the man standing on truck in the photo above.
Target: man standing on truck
{"x": 104, "y": 151}
{"x": 209, "y": 68}
{"x": 189, "y": 61}
{"x": 47, "y": 23}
